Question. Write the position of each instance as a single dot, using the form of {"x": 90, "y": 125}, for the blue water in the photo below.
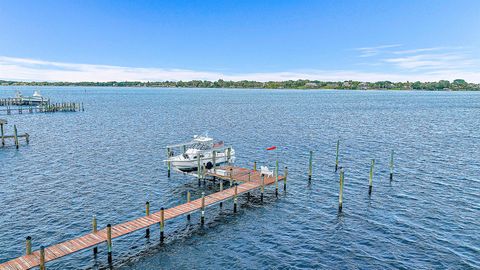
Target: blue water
{"x": 107, "y": 161}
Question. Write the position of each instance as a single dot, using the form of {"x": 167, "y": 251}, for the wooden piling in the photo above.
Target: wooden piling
{"x": 202, "y": 218}
{"x": 162, "y": 224}
{"x": 276, "y": 178}
{"x": 370, "y": 178}
{"x": 147, "y": 213}
{"x": 336, "y": 156}
{"x": 230, "y": 180}
{"x": 391, "y": 166}
{"x": 214, "y": 160}
{"x": 169, "y": 166}
{"x": 310, "y": 161}
{"x": 168, "y": 162}
{"x": 340, "y": 193}
{"x": 188, "y": 200}
{"x": 204, "y": 171}
{"x": 94, "y": 230}
{"x": 262, "y": 187}
{"x": 221, "y": 189}
{"x": 3, "y": 133}
{"x": 235, "y": 198}
{"x": 15, "y": 135}
{"x": 94, "y": 224}
{"x": 109, "y": 243}
{"x": 249, "y": 179}
{"x": 229, "y": 154}
{"x": 285, "y": 174}
{"x": 198, "y": 168}
{"x": 42, "y": 258}
{"x": 255, "y": 166}
{"x": 29, "y": 245}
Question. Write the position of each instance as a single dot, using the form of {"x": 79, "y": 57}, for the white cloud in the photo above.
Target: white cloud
{"x": 432, "y": 63}
{"x": 418, "y": 50}
{"x": 372, "y": 51}
{"x": 26, "y": 69}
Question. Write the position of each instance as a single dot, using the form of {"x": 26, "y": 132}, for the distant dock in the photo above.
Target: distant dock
{"x": 43, "y": 108}
{"x": 242, "y": 181}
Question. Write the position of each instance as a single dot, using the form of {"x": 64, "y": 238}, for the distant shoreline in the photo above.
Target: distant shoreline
{"x": 442, "y": 85}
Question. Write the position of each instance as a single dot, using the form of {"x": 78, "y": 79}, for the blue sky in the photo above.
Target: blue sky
{"x": 261, "y": 40}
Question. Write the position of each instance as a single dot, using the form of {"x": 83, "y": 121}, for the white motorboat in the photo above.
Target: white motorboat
{"x": 203, "y": 151}
{"x": 36, "y": 99}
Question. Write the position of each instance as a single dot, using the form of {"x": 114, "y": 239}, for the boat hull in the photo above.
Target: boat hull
{"x": 188, "y": 165}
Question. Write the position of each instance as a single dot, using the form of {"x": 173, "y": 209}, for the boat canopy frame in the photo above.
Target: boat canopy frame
{"x": 194, "y": 142}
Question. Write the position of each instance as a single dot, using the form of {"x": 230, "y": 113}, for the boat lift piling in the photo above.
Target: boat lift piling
{"x": 310, "y": 161}
{"x": 336, "y": 156}
{"x": 340, "y": 193}
{"x": 370, "y": 178}
{"x": 391, "y": 166}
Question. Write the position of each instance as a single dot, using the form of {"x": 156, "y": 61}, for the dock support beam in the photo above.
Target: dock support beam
{"x": 285, "y": 174}
{"x": 221, "y": 189}
{"x": 29, "y": 245}
{"x": 169, "y": 166}
{"x": 310, "y": 161}
{"x": 340, "y": 194}
{"x": 262, "y": 187}
{"x": 255, "y": 166}
{"x": 198, "y": 168}
{"x": 42, "y": 258}
{"x": 168, "y": 162}
{"x": 162, "y": 224}
{"x": 109, "y": 243}
{"x": 15, "y": 135}
{"x": 370, "y": 178}
{"x": 188, "y": 200}
{"x": 214, "y": 160}
{"x": 276, "y": 178}
{"x": 202, "y": 218}
{"x": 94, "y": 230}
{"x": 391, "y": 166}
{"x": 3, "y": 134}
{"x": 235, "y": 199}
{"x": 336, "y": 157}
{"x": 147, "y": 213}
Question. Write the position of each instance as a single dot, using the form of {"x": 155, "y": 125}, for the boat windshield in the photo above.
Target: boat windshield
{"x": 201, "y": 146}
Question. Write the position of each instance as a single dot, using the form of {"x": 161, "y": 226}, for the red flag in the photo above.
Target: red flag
{"x": 272, "y": 148}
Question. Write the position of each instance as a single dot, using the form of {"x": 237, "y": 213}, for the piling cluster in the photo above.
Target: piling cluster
{"x": 15, "y": 135}
{"x": 342, "y": 173}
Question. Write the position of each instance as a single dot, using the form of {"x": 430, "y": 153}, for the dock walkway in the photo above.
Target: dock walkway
{"x": 93, "y": 239}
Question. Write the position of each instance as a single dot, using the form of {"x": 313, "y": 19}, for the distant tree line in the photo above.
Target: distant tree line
{"x": 456, "y": 85}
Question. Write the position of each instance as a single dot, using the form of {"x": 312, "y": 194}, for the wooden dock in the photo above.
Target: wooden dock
{"x": 249, "y": 180}
{"x": 43, "y": 108}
